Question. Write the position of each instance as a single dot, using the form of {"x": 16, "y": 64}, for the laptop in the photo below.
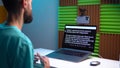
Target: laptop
{"x": 78, "y": 43}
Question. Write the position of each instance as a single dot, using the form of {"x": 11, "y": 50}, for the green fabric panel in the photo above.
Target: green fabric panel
{"x": 67, "y": 15}
{"x": 95, "y": 55}
{"x": 66, "y": 22}
{"x": 110, "y": 13}
{"x": 110, "y": 18}
{"x": 65, "y": 18}
{"x": 96, "y": 48}
{"x": 64, "y": 12}
{"x": 88, "y": 2}
{"x": 110, "y": 5}
{"x": 68, "y": 9}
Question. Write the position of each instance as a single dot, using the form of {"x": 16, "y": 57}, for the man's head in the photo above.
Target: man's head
{"x": 14, "y": 7}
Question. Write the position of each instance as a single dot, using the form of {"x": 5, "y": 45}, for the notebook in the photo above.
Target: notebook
{"x": 78, "y": 43}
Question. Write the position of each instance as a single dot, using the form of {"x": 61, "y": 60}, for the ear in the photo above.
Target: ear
{"x": 24, "y": 3}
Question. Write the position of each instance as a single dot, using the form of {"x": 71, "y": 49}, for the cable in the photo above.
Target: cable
{"x": 119, "y": 60}
{"x": 119, "y": 57}
{"x": 98, "y": 55}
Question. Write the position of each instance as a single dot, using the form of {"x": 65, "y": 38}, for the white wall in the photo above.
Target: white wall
{"x": 43, "y": 31}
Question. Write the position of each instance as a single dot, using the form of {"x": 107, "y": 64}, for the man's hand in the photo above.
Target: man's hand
{"x": 36, "y": 58}
{"x": 43, "y": 59}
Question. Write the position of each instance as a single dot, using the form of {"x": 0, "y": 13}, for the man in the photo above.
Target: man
{"x": 16, "y": 50}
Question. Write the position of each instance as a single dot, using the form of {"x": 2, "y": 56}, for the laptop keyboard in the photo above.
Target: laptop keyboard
{"x": 73, "y": 53}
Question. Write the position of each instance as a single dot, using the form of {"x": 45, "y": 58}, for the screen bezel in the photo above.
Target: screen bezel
{"x": 87, "y": 26}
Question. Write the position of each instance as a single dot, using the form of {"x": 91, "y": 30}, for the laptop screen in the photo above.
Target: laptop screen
{"x": 79, "y": 37}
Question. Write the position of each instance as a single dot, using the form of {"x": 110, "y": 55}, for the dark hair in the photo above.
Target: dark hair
{"x": 12, "y": 6}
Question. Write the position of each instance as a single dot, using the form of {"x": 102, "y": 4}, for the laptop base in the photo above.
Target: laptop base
{"x": 66, "y": 57}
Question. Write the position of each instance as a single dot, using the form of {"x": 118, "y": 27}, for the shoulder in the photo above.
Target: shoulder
{"x": 23, "y": 40}
{"x": 14, "y": 37}
{"x": 19, "y": 39}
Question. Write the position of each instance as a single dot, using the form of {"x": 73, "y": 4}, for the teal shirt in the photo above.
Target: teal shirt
{"x": 16, "y": 50}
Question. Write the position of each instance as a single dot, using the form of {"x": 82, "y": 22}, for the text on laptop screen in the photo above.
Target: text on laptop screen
{"x": 79, "y": 37}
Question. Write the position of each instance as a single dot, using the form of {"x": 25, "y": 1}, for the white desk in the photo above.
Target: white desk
{"x": 104, "y": 63}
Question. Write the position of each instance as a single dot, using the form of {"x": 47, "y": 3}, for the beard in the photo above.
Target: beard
{"x": 27, "y": 17}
